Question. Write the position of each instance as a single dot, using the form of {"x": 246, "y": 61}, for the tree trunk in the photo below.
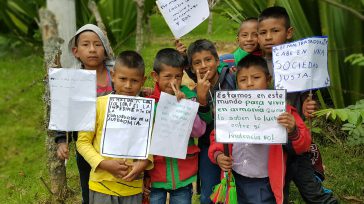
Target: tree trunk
{"x": 139, "y": 25}
{"x": 65, "y": 14}
{"x": 51, "y": 47}
{"x": 209, "y": 25}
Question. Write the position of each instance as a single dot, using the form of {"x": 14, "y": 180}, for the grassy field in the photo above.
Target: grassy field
{"x": 22, "y": 135}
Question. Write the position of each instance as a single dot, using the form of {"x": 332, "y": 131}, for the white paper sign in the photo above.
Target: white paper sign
{"x": 73, "y": 99}
{"x": 250, "y": 116}
{"x": 127, "y": 127}
{"x": 182, "y": 16}
{"x": 301, "y": 65}
{"x": 173, "y": 125}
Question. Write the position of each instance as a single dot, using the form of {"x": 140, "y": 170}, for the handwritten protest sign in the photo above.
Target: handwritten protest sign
{"x": 301, "y": 65}
{"x": 73, "y": 99}
{"x": 127, "y": 127}
{"x": 173, "y": 125}
{"x": 182, "y": 16}
{"x": 250, "y": 116}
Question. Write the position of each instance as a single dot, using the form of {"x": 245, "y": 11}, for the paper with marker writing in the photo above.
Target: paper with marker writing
{"x": 173, "y": 126}
{"x": 73, "y": 99}
{"x": 182, "y": 16}
{"x": 250, "y": 116}
{"x": 127, "y": 127}
{"x": 301, "y": 65}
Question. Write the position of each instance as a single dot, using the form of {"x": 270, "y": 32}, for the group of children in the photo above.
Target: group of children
{"x": 262, "y": 172}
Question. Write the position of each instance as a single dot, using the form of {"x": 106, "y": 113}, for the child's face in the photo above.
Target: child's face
{"x": 252, "y": 78}
{"x": 127, "y": 81}
{"x": 248, "y": 36}
{"x": 166, "y": 76}
{"x": 203, "y": 62}
{"x": 89, "y": 50}
{"x": 272, "y": 32}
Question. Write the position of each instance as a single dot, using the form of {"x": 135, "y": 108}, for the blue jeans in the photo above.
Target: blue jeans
{"x": 209, "y": 175}
{"x": 181, "y": 195}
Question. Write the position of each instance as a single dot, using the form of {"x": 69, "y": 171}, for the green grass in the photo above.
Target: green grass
{"x": 22, "y": 136}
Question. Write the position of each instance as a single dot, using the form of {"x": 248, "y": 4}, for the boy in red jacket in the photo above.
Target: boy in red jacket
{"x": 259, "y": 169}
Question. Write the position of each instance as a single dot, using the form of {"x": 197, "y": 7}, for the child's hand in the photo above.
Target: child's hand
{"x": 202, "y": 88}
{"x": 117, "y": 168}
{"x": 224, "y": 162}
{"x": 179, "y": 94}
{"x": 309, "y": 106}
{"x": 137, "y": 168}
{"x": 180, "y": 47}
{"x": 287, "y": 120}
{"x": 146, "y": 91}
{"x": 62, "y": 151}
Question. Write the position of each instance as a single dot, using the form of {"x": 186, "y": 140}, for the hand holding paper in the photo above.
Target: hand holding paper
{"x": 287, "y": 120}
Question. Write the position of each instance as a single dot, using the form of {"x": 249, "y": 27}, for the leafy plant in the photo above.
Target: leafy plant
{"x": 355, "y": 59}
{"x": 351, "y": 118}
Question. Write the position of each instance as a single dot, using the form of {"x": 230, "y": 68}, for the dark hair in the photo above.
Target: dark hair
{"x": 275, "y": 12}
{"x": 199, "y": 46}
{"x": 170, "y": 57}
{"x": 130, "y": 59}
{"x": 253, "y": 60}
{"x": 249, "y": 19}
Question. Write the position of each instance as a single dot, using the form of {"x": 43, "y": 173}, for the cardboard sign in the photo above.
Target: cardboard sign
{"x": 73, "y": 99}
{"x": 182, "y": 16}
{"x": 301, "y": 65}
{"x": 250, "y": 116}
{"x": 173, "y": 125}
{"x": 127, "y": 127}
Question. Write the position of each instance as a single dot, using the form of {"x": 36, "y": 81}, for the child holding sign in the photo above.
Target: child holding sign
{"x": 170, "y": 174}
{"x": 92, "y": 50}
{"x": 259, "y": 169}
{"x": 115, "y": 180}
{"x": 203, "y": 65}
{"x": 274, "y": 29}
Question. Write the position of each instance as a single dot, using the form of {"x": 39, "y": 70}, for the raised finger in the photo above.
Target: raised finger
{"x": 205, "y": 77}
{"x": 198, "y": 75}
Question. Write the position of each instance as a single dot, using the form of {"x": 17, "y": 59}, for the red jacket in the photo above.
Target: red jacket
{"x": 298, "y": 143}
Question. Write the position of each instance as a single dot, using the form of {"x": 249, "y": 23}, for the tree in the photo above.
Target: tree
{"x": 51, "y": 47}
{"x": 139, "y": 25}
{"x": 212, "y": 3}
{"x": 65, "y": 13}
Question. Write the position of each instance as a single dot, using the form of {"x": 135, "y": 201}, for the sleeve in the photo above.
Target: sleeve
{"x": 151, "y": 164}
{"x": 299, "y": 140}
{"x": 205, "y": 114}
{"x": 215, "y": 148}
{"x": 199, "y": 127}
{"x": 87, "y": 150}
{"x": 60, "y": 137}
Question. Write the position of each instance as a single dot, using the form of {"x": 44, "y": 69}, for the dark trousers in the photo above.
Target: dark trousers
{"x": 253, "y": 190}
{"x": 301, "y": 172}
{"x": 84, "y": 171}
{"x": 209, "y": 175}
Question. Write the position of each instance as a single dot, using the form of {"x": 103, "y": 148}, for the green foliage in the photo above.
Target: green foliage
{"x": 352, "y": 118}
{"x": 355, "y": 59}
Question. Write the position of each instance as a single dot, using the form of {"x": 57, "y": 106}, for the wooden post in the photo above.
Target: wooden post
{"x": 51, "y": 47}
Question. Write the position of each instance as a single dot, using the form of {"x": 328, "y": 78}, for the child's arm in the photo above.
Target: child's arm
{"x": 299, "y": 137}
{"x": 118, "y": 168}
{"x": 217, "y": 156}
{"x": 199, "y": 127}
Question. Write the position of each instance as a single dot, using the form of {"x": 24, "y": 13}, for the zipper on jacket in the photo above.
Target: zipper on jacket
{"x": 172, "y": 175}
